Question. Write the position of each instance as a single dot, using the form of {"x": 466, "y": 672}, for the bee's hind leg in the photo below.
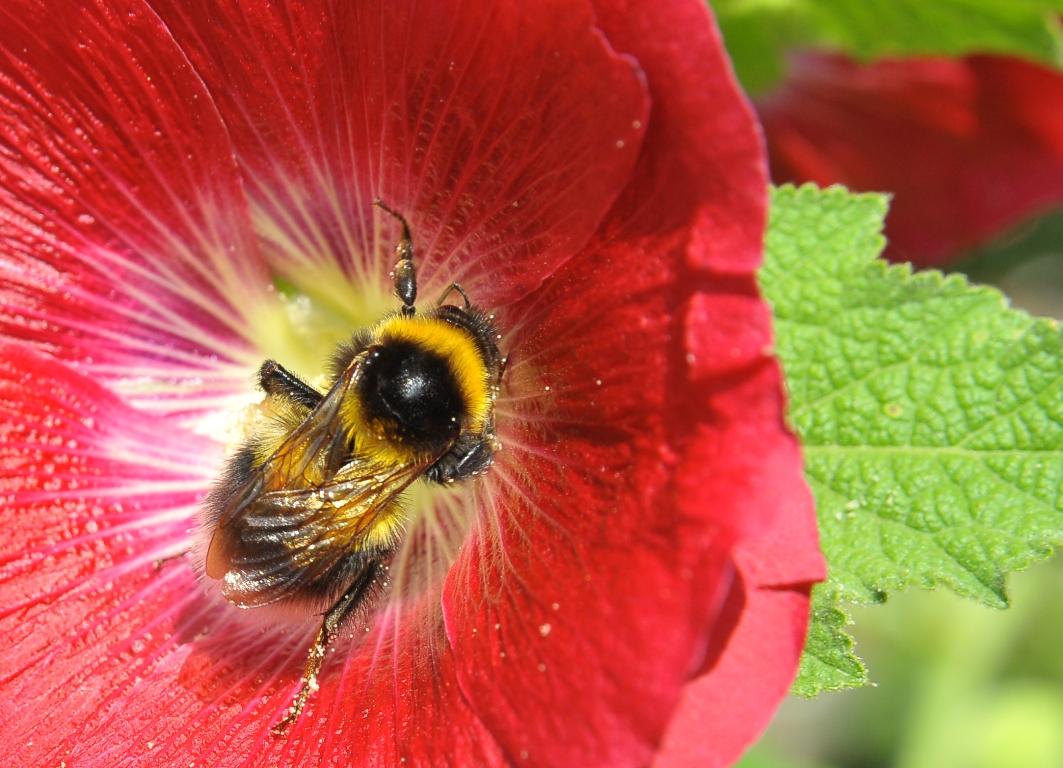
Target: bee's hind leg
{"x": 334, "y": 618}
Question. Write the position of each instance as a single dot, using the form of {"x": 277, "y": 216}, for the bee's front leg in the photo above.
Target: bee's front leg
{"x": 278, "y": 381}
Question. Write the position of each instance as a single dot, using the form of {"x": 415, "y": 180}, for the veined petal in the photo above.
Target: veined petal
{"x": 94, "y": 493}
{"x": 579, "y": 611}
{"x": 397, "y": 702}
{"x": 125, "y": 239}
{"x": 967, "y": 147}
{"x": 218, "y": 686}
{"x": 636, "y": 454}
{"x": 502, "y": 130}
{"x": 723, "y": 712}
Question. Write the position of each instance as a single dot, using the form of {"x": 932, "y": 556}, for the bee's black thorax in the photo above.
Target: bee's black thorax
{"x": 412, "y": 393}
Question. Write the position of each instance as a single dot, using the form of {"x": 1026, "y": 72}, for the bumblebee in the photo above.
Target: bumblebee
{"x": 307, "y": 512}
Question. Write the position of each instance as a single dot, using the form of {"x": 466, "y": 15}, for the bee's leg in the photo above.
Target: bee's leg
{"x": 277, "y": 380}
{"x": 405, "y": 274}
{"x": 161, "y": 561}
{"x": 450, "y": 289}
{"x": 334, "y": 617}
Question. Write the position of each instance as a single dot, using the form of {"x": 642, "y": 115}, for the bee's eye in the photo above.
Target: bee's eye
{"x": 414, "y": 389}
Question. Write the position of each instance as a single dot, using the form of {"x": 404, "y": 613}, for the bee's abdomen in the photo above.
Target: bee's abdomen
{"x": 413, "y": 394}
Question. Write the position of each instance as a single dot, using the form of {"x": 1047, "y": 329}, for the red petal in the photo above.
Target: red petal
{"x": 630, "y": 470}
{"x": 579, "y": 611}
{"x": 212, "y": 701}
{"x": 94, "y": 493}
{"x": 726, "y": 333}
{"x": 722, "y": 713}
{"x": 620, "y": 507}
{"x": 404, "y": 707}
{"x": 757, "y": 642}
{"x": 969, "y": 147}
{"x": 124, "y": 235}
{"x": 701, "y": 175}
{"x": 503, "y": 130}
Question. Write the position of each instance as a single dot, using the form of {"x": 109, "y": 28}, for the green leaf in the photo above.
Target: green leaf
{"x": 758, "y": 32}
{"x": 930, "y": 413}
{"x": 873, "y": 28}
{"x": 757, "y": 36}
{"x": 828, "y": 663}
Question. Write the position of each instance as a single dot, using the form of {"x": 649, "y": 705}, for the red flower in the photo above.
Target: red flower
{"x": 968, "y": 148}
{"x": 628, "y": 584}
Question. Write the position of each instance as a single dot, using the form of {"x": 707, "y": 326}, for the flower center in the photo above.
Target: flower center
{"x": 316, "y": 318}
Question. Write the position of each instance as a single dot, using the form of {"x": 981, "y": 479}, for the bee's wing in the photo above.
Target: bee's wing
{"x": 309, "y": 543}
{"x": 306, "y": 458}
{"x": 306, "y": 521}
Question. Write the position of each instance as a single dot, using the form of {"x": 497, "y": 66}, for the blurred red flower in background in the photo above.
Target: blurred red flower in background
{"x": 627, "y": 586}
{"x": 969, "y": 148}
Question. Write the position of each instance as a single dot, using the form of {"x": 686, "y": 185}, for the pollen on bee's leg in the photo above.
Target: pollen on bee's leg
{"x": 334, "y": 619}
{"x": 308, "y": 684}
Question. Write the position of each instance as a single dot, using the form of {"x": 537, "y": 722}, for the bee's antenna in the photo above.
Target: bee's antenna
{"x": 405, "y": 275}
